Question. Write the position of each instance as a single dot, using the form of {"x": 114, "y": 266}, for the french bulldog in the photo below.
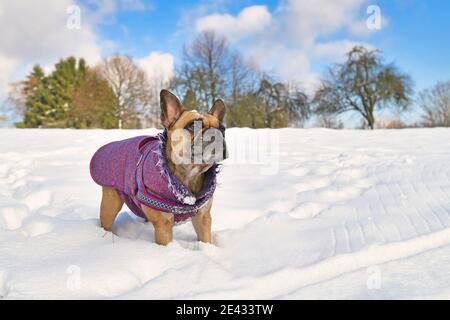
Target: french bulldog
{"x": 166, "y": 179}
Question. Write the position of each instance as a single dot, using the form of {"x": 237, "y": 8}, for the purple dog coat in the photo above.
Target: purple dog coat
{"x": 137, "y": 168}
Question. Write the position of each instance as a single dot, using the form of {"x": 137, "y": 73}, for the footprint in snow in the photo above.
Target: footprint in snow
{"x": 12, "y": 216}
{"x": 39, "y": 199}
{"x": 38, "y": 228}
{"x": 198, "y": 245}
{"x": 4, "y": 288}
{"x": 307, "y": 210}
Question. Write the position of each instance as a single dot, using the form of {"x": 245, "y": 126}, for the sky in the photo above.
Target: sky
{"x": 295, "y": 40}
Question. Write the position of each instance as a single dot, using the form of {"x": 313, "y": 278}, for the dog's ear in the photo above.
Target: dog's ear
{"x": 171, "y": 108}
{"x": 218, "y": 110}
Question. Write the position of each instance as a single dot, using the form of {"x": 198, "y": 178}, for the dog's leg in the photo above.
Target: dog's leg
{"x": 202, "y": 223}
{"x": 109, "y": 207}
{"x": 163, "y": 224}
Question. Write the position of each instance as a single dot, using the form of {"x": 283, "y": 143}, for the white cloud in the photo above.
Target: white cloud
{"x": 336, "y": 50}
{"x": 7, "y": 67}
{"x": 308, "y": 19}
{"x": 290, "y": 39}
{"x": 249, "y": 21}
{"x": 103, "y": 10}
{"x": 159, "y": 67}
{"x": 37, "y": 32}
{"x": 295, "y": 66}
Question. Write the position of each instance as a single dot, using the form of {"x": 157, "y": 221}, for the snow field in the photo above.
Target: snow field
{"x": 325, "y": 214}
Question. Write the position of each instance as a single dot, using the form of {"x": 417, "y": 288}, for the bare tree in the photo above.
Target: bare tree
{"x": 435, "y": 102}
{"x": 157, "y": 81}
{"x": 130, "y": 86}
{"x": 210, "y": 70}
{"x": 329, "y": 121}
{"x": 244, "y": 77}
{"x": 363, "y": 83}
{"x": 17, "y": 97}
{"x": 203, "y": 76}
{"x": 20, "y": 91}
{"x": 282, "y": 104}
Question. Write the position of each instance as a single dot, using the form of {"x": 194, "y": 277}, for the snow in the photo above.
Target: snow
{"x": 298, "y": 214}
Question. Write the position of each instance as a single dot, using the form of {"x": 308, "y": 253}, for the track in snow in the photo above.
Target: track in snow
{"x": 343, "y": 206}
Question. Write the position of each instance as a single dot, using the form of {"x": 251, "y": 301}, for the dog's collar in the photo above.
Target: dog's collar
{"x": 187, "y": 202}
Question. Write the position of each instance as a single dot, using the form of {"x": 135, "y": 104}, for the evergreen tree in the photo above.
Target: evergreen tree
{"x": 50, "y": 99}
{"x": 23, "y": 90}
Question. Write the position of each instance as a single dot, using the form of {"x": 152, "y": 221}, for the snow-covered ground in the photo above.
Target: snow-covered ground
{"x": 335, "y": 214}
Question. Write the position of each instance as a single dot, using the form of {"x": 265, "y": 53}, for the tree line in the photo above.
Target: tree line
{"x": 116, "y": 93}
{"x": 112, "y": 94}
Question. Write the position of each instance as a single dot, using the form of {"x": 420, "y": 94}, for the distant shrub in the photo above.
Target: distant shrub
{"x": 395, "y": 124}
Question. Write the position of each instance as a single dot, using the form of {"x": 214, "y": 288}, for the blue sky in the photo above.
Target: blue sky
{"x": 293, "y": 39}
{"x": 416, "y": 38}
{"x": 157, "y": 29}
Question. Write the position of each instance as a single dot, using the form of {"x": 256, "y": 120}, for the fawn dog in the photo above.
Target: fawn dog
{"x": 165, "y": 179}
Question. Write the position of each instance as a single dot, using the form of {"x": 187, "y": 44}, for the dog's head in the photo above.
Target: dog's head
{"x": 193, "y": 139}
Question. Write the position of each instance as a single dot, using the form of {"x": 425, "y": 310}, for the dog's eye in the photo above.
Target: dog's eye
{"x": 191, "y": 126}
